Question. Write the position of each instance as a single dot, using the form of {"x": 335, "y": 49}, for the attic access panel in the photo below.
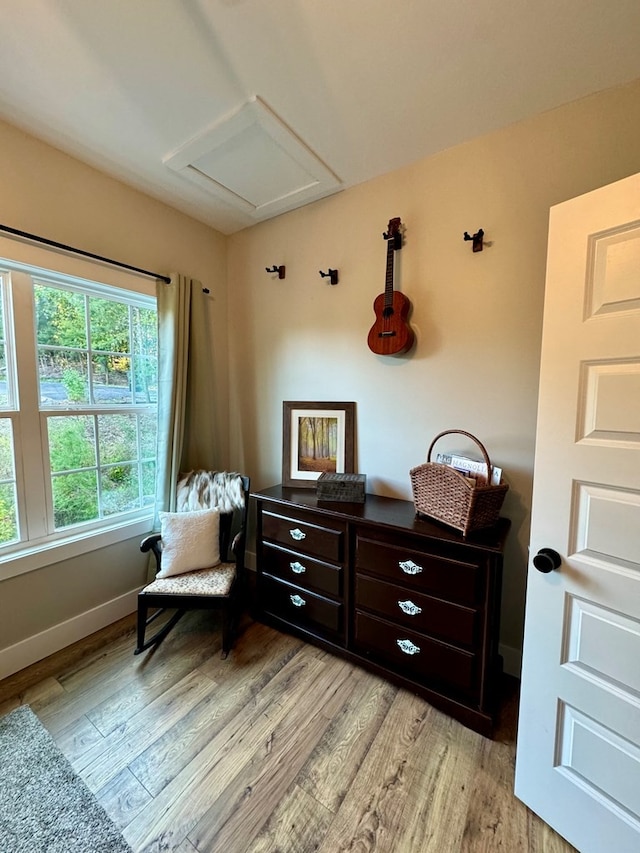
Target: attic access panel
{"x": 252, "y": 161}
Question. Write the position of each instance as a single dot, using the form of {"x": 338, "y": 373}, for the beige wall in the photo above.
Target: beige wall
{"x": 477, "y": 317}
{"x": 42, "y": 191}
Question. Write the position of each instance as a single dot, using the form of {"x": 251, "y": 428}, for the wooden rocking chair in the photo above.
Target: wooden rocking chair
{"x": 213, "y": 539}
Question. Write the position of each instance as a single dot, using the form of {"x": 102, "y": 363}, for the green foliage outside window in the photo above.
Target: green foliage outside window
{"x": 72, "y": 446}
{"x": 75, "y": 385}
{"x": 8, "y": 525}
{"x": 8, "y": 521}
{"x": 97, "y": 462}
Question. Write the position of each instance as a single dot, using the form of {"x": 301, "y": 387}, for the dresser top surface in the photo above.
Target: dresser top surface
{"x": 385, "y": 511}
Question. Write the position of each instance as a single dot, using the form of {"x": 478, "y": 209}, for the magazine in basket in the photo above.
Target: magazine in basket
{"x": 470, "y": 467}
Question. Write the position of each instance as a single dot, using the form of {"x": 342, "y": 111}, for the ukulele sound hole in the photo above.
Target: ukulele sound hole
{"x": 387, "y": 311}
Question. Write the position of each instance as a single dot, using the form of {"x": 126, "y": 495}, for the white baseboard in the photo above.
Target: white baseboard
{"x": 33, "y": 649}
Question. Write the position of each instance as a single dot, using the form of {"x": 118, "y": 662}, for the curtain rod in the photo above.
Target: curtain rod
{"x": 53, "y": 243}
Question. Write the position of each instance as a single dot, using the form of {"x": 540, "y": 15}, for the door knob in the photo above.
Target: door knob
{"x": 546, "y": 560}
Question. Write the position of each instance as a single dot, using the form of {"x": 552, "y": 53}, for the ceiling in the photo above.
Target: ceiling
{"x": 234, "y": 111}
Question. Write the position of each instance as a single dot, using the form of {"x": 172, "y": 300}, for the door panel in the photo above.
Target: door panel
{"x": 603, "y": 644}
{"x": 578, "y": 756}
{"x": 610, "y": 402}
{"x": 598, "y": 760}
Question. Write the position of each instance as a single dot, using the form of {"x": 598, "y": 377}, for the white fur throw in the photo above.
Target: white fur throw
{"x": 208, "y": 490}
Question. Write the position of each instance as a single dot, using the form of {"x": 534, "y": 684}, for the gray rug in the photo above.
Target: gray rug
{"x": 44, "y": 806}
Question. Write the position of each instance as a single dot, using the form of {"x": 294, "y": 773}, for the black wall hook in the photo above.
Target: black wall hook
{"x": 333, "y": 275}
{"x": 275, "y": 268}
{"x": 477, "y": 239}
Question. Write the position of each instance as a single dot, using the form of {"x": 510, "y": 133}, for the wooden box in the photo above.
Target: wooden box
{"x": 341, "y": 487}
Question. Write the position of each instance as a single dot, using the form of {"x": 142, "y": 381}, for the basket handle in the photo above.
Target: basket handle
{"x": 473, "y": 438}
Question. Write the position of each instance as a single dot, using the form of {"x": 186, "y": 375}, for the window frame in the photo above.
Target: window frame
{"x": 40, "y": 544}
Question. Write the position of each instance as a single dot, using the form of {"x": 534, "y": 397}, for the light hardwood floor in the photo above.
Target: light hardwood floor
{"x": 282, "y": 748}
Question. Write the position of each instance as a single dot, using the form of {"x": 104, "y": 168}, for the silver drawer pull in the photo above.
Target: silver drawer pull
{"x": 297, "y": 534}
{"x": 297, "y": 600}
{"x": 410, "y": 568}
{"x": 298, "y": 568}
{"x": 408, "y": 647}
{"x": 409, "y": 608}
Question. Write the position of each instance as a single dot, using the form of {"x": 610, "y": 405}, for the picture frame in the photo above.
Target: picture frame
{"x": 316, "y": 438}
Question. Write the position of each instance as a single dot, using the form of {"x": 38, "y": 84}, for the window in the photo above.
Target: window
{"x": 78, "y": 407}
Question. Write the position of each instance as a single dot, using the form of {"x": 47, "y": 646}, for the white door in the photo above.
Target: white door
{"x": 578, "y": 752}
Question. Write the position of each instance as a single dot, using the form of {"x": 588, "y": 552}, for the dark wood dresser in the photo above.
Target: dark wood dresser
{"x": 410, "y": 599}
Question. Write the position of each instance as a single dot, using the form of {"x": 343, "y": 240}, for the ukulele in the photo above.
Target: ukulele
{"x": 391, "y": 334}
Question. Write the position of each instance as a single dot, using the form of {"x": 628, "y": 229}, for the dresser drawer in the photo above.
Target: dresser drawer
{"x": 421, "y": 658}
{"x": 299, "y": 606}
{"x": 306, "y": 537}
{"x": 417, "y": 611}
{"x": 303, "y": 570}
{"x": 430, "y": 573}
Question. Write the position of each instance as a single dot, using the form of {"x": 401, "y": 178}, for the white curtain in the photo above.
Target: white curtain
{"x": 186, "y": 392}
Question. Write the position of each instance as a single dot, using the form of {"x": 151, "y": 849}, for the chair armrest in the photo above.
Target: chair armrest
{"x": 150, "y": 543}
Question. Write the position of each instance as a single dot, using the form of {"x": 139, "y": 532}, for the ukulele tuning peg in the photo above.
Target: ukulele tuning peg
{"x": 331, "y": 274}
{"x": 275, "y": 268}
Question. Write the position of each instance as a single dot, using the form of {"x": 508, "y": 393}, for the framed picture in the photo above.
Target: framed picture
{"x": 316, "y": 438}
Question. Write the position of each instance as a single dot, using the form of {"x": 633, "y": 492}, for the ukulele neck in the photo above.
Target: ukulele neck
{"x": 388, "y": 282}
{"x": 394, "y": 241}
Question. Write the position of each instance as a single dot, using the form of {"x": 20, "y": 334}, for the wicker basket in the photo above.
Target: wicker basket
{"x": 446, "y": 495}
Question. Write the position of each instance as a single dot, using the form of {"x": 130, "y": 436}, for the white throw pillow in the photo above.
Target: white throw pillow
{"x": 190, "y": 540}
